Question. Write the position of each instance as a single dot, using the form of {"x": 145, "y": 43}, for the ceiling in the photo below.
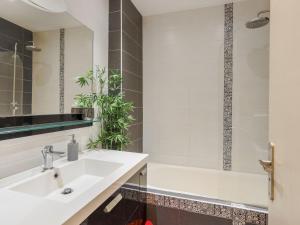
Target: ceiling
{"x": 34, "y": 19}
{"x": 154, "y": 7}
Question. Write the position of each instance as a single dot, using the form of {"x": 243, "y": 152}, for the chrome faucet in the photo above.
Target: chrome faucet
{"x": 48, "y": 156}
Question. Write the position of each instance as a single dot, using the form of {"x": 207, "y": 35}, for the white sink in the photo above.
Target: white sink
{"x": 36, "y": 197}
{"x": 79, "y": 176}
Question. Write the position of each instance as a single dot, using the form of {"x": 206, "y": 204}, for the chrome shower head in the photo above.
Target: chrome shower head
{"x": 32, "y": 47}
{"x": 258, "y": 21}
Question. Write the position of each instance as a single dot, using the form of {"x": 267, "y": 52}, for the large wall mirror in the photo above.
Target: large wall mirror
{"x": 42, "y": 51}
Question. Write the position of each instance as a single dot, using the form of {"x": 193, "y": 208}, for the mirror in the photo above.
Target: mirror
{"x": 41, "y": 54}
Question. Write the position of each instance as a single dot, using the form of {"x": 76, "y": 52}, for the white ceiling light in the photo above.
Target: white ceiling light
{"x": 54, "y": 6}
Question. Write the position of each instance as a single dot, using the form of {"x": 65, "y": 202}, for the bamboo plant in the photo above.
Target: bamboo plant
{"x": 113, "y": 111}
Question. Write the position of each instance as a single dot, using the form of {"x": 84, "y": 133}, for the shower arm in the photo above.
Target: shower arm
{"x": 262, "y": 12}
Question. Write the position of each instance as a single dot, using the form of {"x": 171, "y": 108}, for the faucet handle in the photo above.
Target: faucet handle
{"x": 58, "y": 153}
{"x": 49, "y": 149}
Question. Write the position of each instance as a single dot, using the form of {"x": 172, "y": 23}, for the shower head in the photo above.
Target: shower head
{"x": 32, "y": 47}
{"x": 258, "y": 21}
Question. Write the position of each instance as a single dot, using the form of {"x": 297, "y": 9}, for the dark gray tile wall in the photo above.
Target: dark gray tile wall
{"x": 114, "y": 61}
{"x": 9, "y": 35}
{"x": 126, "y": 55}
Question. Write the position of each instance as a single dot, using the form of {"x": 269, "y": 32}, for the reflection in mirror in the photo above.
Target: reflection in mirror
{"x": 41, "y": 54}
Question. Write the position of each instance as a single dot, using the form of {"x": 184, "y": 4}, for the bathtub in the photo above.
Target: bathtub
{"x": 235, "y": 187}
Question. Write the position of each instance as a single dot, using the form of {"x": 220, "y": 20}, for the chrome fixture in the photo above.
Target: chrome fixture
{"x": 268, "y": 166}
{"x": 67, "y": 191}
{"x": 32, "y": 47}
{"x": 14, "y": 104}
{"x": 258, "y": 21}
{"x": 48, "y": 157}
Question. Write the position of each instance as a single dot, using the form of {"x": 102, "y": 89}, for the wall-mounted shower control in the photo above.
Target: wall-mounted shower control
{"x": 268, "y": 166}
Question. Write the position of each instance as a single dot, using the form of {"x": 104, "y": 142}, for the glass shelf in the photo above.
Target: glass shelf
{"x": 44, "y": 126}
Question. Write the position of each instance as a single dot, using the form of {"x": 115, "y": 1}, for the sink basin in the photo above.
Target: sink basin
{"x": 67, "y": 182}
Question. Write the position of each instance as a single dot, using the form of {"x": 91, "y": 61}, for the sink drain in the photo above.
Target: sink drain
{"x": 67, "y": 191}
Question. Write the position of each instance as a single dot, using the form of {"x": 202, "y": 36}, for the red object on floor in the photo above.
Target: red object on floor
{"x": 137, "y": 222}
{"x": 148, "y": 222}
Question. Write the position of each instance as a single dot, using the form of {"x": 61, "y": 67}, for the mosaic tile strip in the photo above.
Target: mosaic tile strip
{"x": 228, "y": 83}
{"x": 256, "y": 218}
{"x": 61, "y": 70}
{"x": 239, "y": 216}
{"x": 171, "y": 202}
{"x": 223, "y": 211}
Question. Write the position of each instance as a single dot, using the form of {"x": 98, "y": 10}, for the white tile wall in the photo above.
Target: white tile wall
{"x": 183, "y": 85}
{"x": 183, "y": 88}
{"x": 20, "y": 154}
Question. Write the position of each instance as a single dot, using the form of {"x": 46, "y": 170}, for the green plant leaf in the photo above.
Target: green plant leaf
{"x": 114, "y": 112}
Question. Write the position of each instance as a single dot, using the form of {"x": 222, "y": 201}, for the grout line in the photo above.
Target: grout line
{"x": 136, "y": 140}
{"x": 116, "y": 11}
{"x": 132, "y": 74}
{"x": 135, "y": 124}
{"x": 130, "y": 20}
{"x": 9, "y": 78}
{"x": 129, "y": 54}
{"x": 116, "y": 30}
{"x": 134, "y": 91}
{"x": 136, "y": 42}
{"x": 132, "y": 56}
{"x": 21, "y": 67}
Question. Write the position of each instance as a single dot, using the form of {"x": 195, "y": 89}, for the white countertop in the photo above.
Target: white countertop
{"x": 18, "y": 208}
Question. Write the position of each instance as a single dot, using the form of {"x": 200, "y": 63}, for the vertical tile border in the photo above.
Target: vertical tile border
{"x": 228, "y": 83}
{"x": 61, "y": 70}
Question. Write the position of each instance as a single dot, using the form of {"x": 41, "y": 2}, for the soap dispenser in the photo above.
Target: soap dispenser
{"x": 73, "y": 149}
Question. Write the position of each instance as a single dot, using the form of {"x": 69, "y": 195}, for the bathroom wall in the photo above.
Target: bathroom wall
{"x": 10, "y": 34}
{"x": 78, "y": 60}
{"x": 125, "y": 54}
{"x": 94, "y": 15}
{"x": 23, "y": 153}
{"x": 183, "y": 87}
{"x": 45, "y": 70}
{"x": 187, "y": 118}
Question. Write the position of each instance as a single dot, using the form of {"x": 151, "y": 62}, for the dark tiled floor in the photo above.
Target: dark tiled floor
{"x": 187, "y": 218}
{"x": 162, "y": 215}
{"x": 168, "y": 216}
{"x": 126, "y": 212}
{"x": 132, "y": 213}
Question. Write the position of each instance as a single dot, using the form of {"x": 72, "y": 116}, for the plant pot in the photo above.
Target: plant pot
{"x": 88, "y": 113}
